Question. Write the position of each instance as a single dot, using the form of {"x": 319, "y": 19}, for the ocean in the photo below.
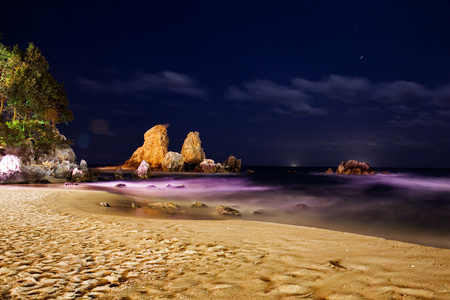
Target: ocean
{"x": 410, "y": 205}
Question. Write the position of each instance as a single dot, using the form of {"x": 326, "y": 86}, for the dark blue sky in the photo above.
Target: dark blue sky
{"x": 308, "y": 83}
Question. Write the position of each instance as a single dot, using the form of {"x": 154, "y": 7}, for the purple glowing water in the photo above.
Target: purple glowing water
{"x": 407, "y": 207}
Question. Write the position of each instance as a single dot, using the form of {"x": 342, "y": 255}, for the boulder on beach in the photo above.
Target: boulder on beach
{"x": 199, "y": 205}
{"x": 81, "y": 173}
{"x": 227, "y": 211}
{"x": 143, "y": 171}
{"x": 209, "y": 166}
{"x": 12, "y": 170}
{"x": 154, "y": 149}
{"x": 165, "y": 207}
{"x": 173, "y": 162}
{"x": 353, "y": 167}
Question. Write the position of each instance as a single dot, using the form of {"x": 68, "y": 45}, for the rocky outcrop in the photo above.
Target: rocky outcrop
{"x": 154, "y": 149}
{"x": 353, "y": 167}
{"x": 81, "y": 173}
{"x": 64, "y": 170}
{"x": 12, "y": 171}
{"x": 191, "y": 159}
{"x": 62, "y": 153}
{"x": 173, "y": 162}
{"x": 232, "y": 165}
{"x": 192, "y": 150}
{"x": 209, "y": 166}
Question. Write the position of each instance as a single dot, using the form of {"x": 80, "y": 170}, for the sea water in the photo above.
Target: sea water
{"x": 411, "y": 205}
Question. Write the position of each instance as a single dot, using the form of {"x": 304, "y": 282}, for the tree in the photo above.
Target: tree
{"x": 32, "y": 101}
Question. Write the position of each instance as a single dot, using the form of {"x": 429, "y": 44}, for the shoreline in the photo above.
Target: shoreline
{"x": 53, "y": 248}
{"x": 121, "y": 206}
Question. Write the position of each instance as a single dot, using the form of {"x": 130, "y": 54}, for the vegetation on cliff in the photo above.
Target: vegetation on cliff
{"x": 32, "y": 102}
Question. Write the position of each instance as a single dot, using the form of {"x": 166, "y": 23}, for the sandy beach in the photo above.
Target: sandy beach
{"x": 51, "y": 247}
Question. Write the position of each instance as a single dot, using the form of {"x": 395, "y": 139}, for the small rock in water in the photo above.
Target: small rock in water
{"x": 329, "y": 171}
{"x": 259, "y": 212}
{"x": 165, "y": 207}
{"x": 227, "y": 211}
{"x": 70, "y": 183}
{"x": 151, "y": 186}
{"x": 134, "y": 206}
{"x": 301, "y": 207}
{"x": 121, "y": 185}
{"x": 181, "y": 186}
{"x": 104, "y": 204}
{"x": 199, "y": 205}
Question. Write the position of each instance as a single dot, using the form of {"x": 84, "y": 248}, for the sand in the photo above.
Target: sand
{"x": 51, "y": 247}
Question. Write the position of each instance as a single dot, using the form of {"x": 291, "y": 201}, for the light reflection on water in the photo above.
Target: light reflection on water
{"x": 403, "y": 207}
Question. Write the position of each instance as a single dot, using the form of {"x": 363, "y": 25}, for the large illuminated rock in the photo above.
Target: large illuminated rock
{"x": 12, "y": 170}
{"x": 192, "y": 150}
{"x": 153, "y": 151}
{"x": 353, "y": 167}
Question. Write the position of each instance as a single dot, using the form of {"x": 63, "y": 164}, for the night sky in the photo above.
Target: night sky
{"x": 280, "y": 83}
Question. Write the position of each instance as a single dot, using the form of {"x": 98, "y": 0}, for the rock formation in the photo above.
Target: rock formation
{"x": 232, "y": 164}
{"x": 191, "y": 159}
{"x": 12, "y": 170}
{"x": 173, "y": 162}
{"x": 209, "y": 166}
{"x": 64, "y": 170}
{"x": 81, "y": 173}
{"x": 353, "y": 167}
{"x": 154, "y": 149}
{"x": 192, "y": 150}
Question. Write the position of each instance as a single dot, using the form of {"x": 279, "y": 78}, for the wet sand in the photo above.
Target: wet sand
{"x": 58, "y": 244}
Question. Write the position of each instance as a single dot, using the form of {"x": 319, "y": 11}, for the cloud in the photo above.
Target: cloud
{"x": 336, "y": 86}
{"x": 421, "y": 119}
{"x": 165, "y": 82}
{"x": 398, "y": 103}
{"x": 400, "y": 92}
{"x": 441, "y": 96}
{"x": 286, "y": 100}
